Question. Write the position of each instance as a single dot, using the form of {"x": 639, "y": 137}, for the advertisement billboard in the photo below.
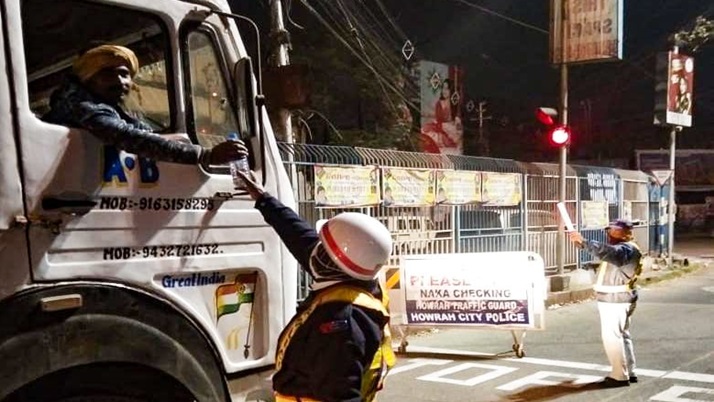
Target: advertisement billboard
{"x": 441, "y": 95}
{"x": 675, "y": 83}
{"x": 593, "y": 31}
{"x": 695, "y": 167}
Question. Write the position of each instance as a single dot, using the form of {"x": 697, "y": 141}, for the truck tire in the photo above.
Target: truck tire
{"x": 104, "y": 383}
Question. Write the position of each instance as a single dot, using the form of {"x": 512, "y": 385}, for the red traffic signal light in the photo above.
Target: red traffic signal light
{"x": 560, "y": 135}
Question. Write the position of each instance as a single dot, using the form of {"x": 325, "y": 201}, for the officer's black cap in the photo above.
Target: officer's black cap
{"x": 621, "y": 224}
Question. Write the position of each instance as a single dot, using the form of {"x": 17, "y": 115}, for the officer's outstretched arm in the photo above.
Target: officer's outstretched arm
{"x": 295, "y": 232}
{"x": 618, "y": 254}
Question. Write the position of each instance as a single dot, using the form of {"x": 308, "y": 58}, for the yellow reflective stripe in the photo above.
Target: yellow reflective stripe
{"x": 284, "y": 398}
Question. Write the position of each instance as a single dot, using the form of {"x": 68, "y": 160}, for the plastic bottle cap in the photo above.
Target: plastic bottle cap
{"x": 233, "y": 136}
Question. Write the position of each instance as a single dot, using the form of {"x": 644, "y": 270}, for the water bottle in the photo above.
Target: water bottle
{"x": 238, "y": 165}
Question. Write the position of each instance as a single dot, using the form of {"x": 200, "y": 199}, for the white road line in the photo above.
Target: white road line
{"x": 684, "y": 375}
{"x": 672, "y": 375}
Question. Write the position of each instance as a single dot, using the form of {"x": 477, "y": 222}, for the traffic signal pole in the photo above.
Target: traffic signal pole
{"x": 560, "y": 248}
{"x": 561, "y": 243}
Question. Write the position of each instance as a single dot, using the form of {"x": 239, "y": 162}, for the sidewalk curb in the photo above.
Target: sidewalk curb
{"x": 648, "y": 278}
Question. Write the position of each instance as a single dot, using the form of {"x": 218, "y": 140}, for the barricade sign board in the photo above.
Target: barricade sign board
{"x": 501, "y": 291}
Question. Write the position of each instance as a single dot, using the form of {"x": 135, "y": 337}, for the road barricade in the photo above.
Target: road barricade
{"x": 498, "y": 291}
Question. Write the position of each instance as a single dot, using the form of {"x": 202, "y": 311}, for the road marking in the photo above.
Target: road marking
{"x": 683, "y": 375}
{"x": 672, "y": 375}
{"x": 495, "y": 372}
{"x": 416, "y": 363}
{"x": 674, "y": 393}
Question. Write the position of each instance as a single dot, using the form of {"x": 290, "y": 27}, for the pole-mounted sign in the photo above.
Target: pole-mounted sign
{"x": 673, "y": 90}
{"x": 592, "y": 31}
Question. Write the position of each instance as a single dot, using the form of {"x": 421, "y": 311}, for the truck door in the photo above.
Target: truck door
{"x": 113, "y": 216}
{"x": 14, "y": 263}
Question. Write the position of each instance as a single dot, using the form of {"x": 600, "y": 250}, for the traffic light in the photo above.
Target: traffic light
{"x": 560, "y": 135}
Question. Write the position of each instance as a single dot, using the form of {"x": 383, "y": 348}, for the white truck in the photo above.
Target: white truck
{"x": 122, "y": 278}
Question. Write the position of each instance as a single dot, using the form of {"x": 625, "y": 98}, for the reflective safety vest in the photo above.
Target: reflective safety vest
{"x": 600, "y": 287}
{"x": 384, "y": 359}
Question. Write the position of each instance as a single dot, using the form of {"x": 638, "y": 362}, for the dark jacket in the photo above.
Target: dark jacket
{"x": 73, "y": 106}
{"x": 328, "y": 354}
{"x": 622, "y": 260}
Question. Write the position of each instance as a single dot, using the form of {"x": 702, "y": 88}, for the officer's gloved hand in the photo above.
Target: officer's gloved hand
{"x": 252, "y": 186}
{"x": 577, "y": 239}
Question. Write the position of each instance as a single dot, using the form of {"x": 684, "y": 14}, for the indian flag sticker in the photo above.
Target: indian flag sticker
{"x": 230, "y": 297}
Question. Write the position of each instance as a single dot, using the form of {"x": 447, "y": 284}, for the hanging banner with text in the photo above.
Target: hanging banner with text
{"x": 505, "y": 290}
{"x": 595, "y": 214}
{"x": 501, "y": 189}
{"x": 340, "y": 187}
{"x": 456, "y": 187}
{"x": 585, "y": 31}
{"x": 407, "y": 187}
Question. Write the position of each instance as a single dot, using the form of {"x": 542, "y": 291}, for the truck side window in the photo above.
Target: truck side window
{"x": 56, "y": 32}
{"x": 211, "y": 103}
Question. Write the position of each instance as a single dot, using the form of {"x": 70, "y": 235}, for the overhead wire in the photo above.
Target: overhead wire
{"x": 504, "y": 17}
{"x": 331, "y": 12}
{"x": 352, "y": 50}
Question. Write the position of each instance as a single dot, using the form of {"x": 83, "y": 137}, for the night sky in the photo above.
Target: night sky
{"x": 507, "y": 65}
{"x": 611, "y": 104}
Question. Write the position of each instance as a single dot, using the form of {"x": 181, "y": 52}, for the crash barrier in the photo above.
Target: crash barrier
{"x": 514, "y": 208}
{"x": 495, "y": 291}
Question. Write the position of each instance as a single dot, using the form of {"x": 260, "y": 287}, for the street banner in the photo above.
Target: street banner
{"x": 441, "y": 98}
{"x": 673, "y": 89}
{"x": 350, "y": 186}
{"x": 595, "y": 214}
{"x": 408, "y": 187}
{"x": 501, "y": 189}
{"x": 598, "y": 184}
{"x": 593, "y": 31}
{"x": 504, "y": 290}
{"x": 457, "y": 187}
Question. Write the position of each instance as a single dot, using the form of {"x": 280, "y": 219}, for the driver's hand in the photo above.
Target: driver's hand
{"x": 227, "y": 151}
{"x": 251, "y": 184}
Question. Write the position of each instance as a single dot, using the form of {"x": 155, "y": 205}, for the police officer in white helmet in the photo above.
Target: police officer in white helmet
{"x": 617, "y": 296}
{"x": 337, "y": 347}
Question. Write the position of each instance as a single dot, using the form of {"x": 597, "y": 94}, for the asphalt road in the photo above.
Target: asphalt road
{"x": 673, "y": 330}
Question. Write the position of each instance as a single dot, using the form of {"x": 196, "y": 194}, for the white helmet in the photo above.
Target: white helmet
{"x": 359, "y": 244}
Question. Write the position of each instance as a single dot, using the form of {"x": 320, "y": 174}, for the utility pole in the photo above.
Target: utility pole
{"x": 279, "y": 37}
{"x": 560, "y": 256}
{"x": 670, "y": 204}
